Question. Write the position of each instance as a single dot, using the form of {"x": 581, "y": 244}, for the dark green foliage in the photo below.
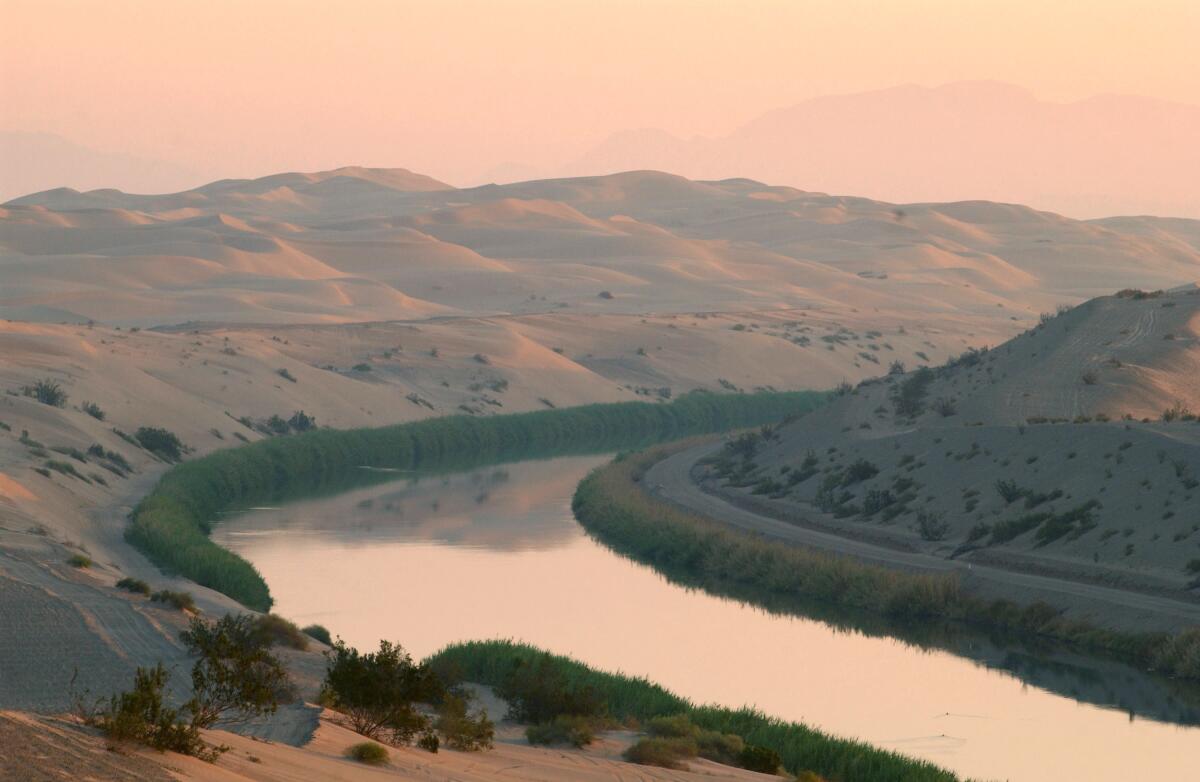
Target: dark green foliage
{"x": 171, "y": 524}
{"x": 859, "y": 471}
{"x": 378, "y": 691}
{"x": 93, "y": 409}
{"x": 181, "y": 601}
{"x": 301, "y": 422}
{"x": 1072, "y": 523}
{"x": 538, "y": 691}
{"x": 318, "y": 632}
{"x": 79, "y": 561}
{"x": 160, "y": 442}
{"x": 908, "y": 397}
{"x": 764, "y": 760}
{"x": 65, "y": 468}
{"x": 46, "y": 391}
{"x": 141, "y": 716}
{"x": 429, "y": 742}
{"x": 932, "y": 526}
{"x": 626, "y": 698}
{"x": 564, "y": 729}
{"x": 235, "y": 677}
{"x": 368, "y": 752}
{"x": 135, "y": 585}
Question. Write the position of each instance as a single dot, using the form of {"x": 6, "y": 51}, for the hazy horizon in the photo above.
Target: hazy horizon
{"x": 159, "y": 97}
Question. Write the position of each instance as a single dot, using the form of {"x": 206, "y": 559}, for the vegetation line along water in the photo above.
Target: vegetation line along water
{"x": 171, "y": 525}
{"x": 691, "y": 549}
{"x": 636, "y": 700}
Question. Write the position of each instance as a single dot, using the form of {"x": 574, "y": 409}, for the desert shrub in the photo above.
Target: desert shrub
{"x": 459, "y": 729}
{"x": 575, "y": 731}
{"x": 140, "y": 716}
{"x": 181, "y": 601}
{"x": 301, "y": 422}
{"x": 46, "y": 391}
{"x": 368, "y": 752}
{"x": 945, "y": 406}
{"x": 876, "y": 500}
{"x": 1090, "y": 378}
{"x": 378, "y": 691}
{"x": 277, "y": 425}
{"x": 860, "y": 470}
{"x": 1073, "y": 523}
{"x": 79, "y": 561}
{"x": 932, "y": 525}
{"x": 286, "y": 375}
{"x": 896, "y": 368}
{"x": 908, "y": 397}
{"x": 66, "y": 468}
{"x": 274, "y": 630}
{"x": 93, "y": 409}
{"x": 429, "y": 742}
{"x": 662, "y": 752}
{"x": 755, "y": 757}
{"x": 605, "y": 295}
{"x": 160, "y": 442}
{"x": 1008, "y": 490}
{"x": 978, "y": 532}
{"x": 235, "y": 677}
{"x": 319, "y": 633}
{"x": 135, "y": 585}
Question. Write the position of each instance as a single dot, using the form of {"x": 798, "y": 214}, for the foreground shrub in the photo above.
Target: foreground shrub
{"x": 378, "y": 691}
{"x": 368, "y": 752}
{"x": 235, "y": 677}
{"x": 141, "y": 716}
{"x": 575, "y": 731}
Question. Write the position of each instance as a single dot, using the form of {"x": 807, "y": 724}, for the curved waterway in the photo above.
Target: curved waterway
{"x": 496, "y": 553}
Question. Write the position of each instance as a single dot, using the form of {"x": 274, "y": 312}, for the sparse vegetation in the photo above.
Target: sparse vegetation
{"x": 46, "y": 391}
{"x": 160, "y": 442}
{"x": 368, "y": 752}
{"x": 135, "y": 585}
{"x": 79, "y": 561}
{"x": 93, "y": 409}
{"x": 181, "y": 601}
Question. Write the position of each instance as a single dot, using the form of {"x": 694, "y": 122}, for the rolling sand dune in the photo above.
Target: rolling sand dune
{"x": 360, "y": 244}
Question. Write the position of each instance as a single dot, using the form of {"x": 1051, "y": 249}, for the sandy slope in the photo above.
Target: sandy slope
{"x": 1132, "y": 486}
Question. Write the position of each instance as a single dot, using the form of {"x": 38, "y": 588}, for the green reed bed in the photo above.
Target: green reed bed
{"x": 635, "y": 700}
{"x": 171, "y": 525}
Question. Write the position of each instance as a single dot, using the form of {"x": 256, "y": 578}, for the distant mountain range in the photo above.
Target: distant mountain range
{"x": 1107, "y": 155}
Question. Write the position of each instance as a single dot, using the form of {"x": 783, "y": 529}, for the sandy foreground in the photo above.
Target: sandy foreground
{"x": 37, "y": 749}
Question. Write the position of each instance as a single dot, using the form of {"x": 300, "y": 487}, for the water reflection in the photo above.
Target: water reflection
{"x": 496, "y": 553}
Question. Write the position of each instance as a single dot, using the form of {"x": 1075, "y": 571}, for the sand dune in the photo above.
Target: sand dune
{"x": 358, "y": 244}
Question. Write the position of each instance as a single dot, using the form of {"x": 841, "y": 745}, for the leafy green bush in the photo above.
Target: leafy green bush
{"x": 378, "y": 691}
{"x": 273, "y": 629}
{"x": 368, "y": 752}
{"x": 235, "y": 677}
{"x": 79, "y": 561}
{"x": 141, "y": 716}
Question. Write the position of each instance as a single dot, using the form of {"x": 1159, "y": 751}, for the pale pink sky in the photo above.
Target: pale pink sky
{"x": 455, "y": 88}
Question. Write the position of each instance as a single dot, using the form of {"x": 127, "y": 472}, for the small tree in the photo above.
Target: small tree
{"x": 236, "y": 678}
{"x": 378, "y": 691}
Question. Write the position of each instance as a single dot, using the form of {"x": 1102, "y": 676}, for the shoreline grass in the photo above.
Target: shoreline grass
{"x": 688, "y": 548}
{"x": 636, "y": 700}
{"x": 171, "y": 524}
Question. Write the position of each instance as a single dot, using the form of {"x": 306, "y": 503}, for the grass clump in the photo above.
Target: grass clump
{"x": 93, "y": 409}
{"x": 274, "y": 630}
{"x": 180, "y": 601}
{"x": 160, "y": 442}
{"x": 79, "y": 561}
{"x": 135, "y": 585}
{"x": 46, "y": 391}
{"x": 368, "y": 752}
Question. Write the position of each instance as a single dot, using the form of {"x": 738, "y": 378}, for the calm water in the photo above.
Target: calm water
{"x": 497, "y": 553}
